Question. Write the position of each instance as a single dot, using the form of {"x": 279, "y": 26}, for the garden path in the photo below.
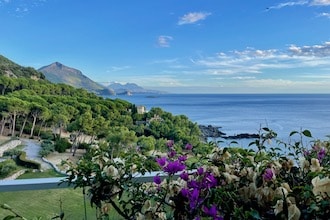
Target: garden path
{"x": 32, "y": 148}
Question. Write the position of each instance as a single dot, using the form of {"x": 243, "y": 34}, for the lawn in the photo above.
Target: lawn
{"x": 45, "y": 174}
{"x": 46, "y": 204}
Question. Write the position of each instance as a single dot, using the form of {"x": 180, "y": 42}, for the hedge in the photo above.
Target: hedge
{"x": 23, "y": 161}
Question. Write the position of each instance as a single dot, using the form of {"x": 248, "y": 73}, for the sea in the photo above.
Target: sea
{"x": 247, "y": 113}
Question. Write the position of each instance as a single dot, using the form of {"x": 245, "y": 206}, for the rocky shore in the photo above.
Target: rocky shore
{"x": 209, "y": 131}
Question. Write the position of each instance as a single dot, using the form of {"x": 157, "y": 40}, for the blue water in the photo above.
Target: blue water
{"x": 246, "y": 113}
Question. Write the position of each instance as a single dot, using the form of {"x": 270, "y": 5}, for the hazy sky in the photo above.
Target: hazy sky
{"x": 197, "y": 46}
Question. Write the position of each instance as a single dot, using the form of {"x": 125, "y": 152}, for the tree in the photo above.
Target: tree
{"x": 146, "y": 143}
{"x": 82, "y": 125}
{"x": 60, "y": 117}
{"x": 16, "y": 107}
{"x": 120, "y": 138}
{"x": 24, "y": 112}
{"x": 36, "y": 112}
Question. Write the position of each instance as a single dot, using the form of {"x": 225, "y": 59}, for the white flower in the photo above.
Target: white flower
{"x": 293, "y": 211}
{"x": 280, "y": 191}
{"x": 321, "y": 187}
{"x": 315, "y": 165}
{"x": 278, "y": 207}
{"x": 111, "y": 171}
{"x": 249, "y": 173}
{"x": 304, "y": 164}
{"x": 264, "y": 194}
{"x": 231, "y": 178}
{"x": 226, "y": 155}
{"x": 214, "y": 170}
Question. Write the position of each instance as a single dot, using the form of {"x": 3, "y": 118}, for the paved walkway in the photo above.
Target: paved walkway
{"x": 32, "y": 148}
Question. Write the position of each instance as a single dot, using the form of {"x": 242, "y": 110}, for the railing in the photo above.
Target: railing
{"x": 56, "y": 182}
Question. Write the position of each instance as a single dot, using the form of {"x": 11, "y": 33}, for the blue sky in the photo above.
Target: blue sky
{"x": 199, "y": 46}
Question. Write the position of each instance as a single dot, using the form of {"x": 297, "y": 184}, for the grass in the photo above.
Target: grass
{"x": 46, "y": 204}
{"x": 45, "y": 174}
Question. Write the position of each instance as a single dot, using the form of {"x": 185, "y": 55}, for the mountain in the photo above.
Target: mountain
{"x": 11, "y": 69}
{"x": 129, "y": 89}
{"x": 59, "y": 73}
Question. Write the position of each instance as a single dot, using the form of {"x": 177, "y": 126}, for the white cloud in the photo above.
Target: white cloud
{"x": 300, "y": 3}
{"x": 252, "y": 62}
{"x": 193, "y": 17}
{"x": 244, "y": 77}
{"x": 164, "y": 41}
{"x": 314, "y": 50}
{"x": 324, "y": 14}
{"x": 320, "y": 2}
{"x": 287, "y": 85}
{"x": 288, "y": 4}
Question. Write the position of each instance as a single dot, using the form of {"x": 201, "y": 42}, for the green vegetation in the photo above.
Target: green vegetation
{"x": 47, "y": 147}
{"x": 15, "y": 152}
{"x": 23, "y": 161}
{"x": 10, "y": 68}
{"x": 30, "y": 174}
{"x": 46, "y": 204}
{"x": 7, "y": 167}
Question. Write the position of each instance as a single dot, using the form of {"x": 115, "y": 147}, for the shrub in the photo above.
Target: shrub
{"x": 7, "y": 167}
{"x": 46, "y": 135}
{"x": 83, "y": 146}
{"x": 275, "y": 181}
{"x": 47, "y": 147}
{"x": 12, "y": 152}
{"x": 23, "y": 161}
{"x": 62, "y": 144}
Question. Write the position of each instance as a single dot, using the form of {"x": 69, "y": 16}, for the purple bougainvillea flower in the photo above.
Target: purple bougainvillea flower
{"x": 157, "y": 180}
{"x": 161, "y": 161}
{"x": 182, "y": 158}
{"x": 184, "y": 176}
{"x": 306, "y": 153}
{"x": 185, "y": 192}
{"x": 170, "y": 143}
{"x": 171, "y": 154}
{"x": 211, "y": 211}
{"x": 321, "y": 154}
{"x": 193, "y": 184}
{"x": 188, "y": 146}
{"x": 210, "y": 180}
{"x": 200, "y": 171}
{"x": 174, "y": 167}
{"x": 268, "y": 174}
{"x": 194, "y": 198}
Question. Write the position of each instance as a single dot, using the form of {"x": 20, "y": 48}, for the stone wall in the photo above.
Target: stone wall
{"x": 10, "y": 145}
{"x": 15, "y": 175}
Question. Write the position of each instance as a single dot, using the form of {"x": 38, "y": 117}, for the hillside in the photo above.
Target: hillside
{"x": 59, "y": 73}
{"x": 129, "y": 88}
{"x": 11, "y": 69}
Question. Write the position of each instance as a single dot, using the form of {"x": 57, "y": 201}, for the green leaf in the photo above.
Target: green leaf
{"x": 5, "y": 206}
{"x": 9, "y": 217}
{"x": 266, "y": 129}
{"x": 307, "y": 133}
{"x": 293, "y": 132}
